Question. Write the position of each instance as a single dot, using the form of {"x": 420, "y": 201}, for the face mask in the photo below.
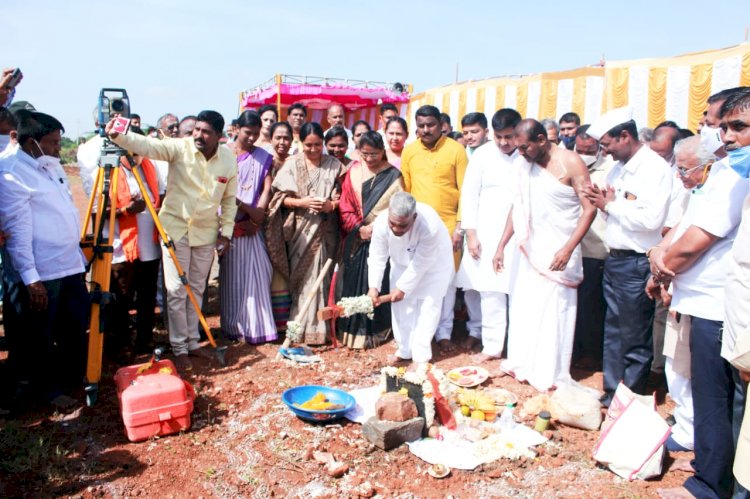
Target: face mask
{"x": 4, "y": 141}
{"x": 589, "y": 160}
{"x": 568, "y": 141}
{"x": 49, "y": 162}
{"x": 739, "y": 160}
{"x": 711, "y": 138}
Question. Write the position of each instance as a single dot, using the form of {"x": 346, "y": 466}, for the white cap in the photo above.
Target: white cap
{"x": 609, "y": 120}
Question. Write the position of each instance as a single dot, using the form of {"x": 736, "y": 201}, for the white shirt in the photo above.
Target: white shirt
{"x": 678, "y": 200}
{"x": 716, "y": 208}
{"x": 421, "y": 260}
{"x": 489, "y": 188}
{"x": 642, "y": 188}
{"x": 41, "y": 218}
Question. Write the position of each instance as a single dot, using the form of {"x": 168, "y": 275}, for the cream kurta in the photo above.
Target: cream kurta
{"x": 487, "y": 194}
{"x": 200, "y": 197}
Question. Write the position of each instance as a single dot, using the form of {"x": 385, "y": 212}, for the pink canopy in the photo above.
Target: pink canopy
{"x": 322, "y": 96}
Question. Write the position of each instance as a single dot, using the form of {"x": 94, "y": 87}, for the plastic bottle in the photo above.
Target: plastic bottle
{"x": 506, "y": 421}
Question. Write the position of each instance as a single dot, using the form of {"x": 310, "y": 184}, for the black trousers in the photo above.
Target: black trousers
{"x": 48, "y": 348}
{"x": 716, "y": 390}
{"x": 134, "y": 286}
{"x": 591, "y": 310}
{"x": 628, "y": 345}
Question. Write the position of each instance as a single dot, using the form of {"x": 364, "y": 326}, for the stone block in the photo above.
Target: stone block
{"x": 395, "y": 407}
{"x": 388, "y": 435}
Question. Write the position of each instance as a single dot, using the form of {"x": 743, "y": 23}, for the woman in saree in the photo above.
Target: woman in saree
{"x": 358, "y": 129}
{"x": 396, "y": 132}
{"x": 268, "y": 116}
{"x": 245, "y": 269}
{"x": 337, "y": 142}
{"x": 303, "y": 229}
{"x": 281, "y": 299}
{"x": 366, "y": 191}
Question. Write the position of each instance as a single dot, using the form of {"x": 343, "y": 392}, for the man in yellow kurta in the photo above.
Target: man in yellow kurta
{"x": 433, "y": 170}
{"x": 197, "y": 213}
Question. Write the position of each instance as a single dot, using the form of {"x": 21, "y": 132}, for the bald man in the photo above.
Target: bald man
{"x": 548, "y": 232}
{"x": 337, "y": 117}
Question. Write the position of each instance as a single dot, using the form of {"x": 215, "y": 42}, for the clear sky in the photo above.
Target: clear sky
{"x": 182, "y": 56}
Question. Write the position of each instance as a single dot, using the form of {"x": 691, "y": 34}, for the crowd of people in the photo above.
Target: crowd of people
{"x": 617, "y": 246}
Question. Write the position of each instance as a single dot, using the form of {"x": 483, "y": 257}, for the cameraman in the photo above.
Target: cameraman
{"x": 47, "y": 303}
{"x": 202, "y": 179}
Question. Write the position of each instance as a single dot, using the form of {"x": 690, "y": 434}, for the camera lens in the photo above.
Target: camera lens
{"x": 118, "y": 105}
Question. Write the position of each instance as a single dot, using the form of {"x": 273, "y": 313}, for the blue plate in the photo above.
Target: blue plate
{"x": 301, "y": 394}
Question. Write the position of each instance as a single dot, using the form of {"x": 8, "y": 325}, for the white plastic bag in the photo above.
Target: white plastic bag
{"x": 576, "y": 407}
{"x": 632, "y": 439}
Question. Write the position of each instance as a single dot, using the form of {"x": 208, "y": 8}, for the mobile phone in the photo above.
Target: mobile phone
{"x": 15, "y": 77}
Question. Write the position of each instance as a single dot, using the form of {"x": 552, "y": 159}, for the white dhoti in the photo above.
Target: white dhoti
{"x": 414, "y": 323}
{"x": 677, "y": 371}
{"x": 543, "y": 308}
{"x": 542, "y": 328}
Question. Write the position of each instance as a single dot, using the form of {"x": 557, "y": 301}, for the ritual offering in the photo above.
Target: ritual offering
{"x": 317, "y": 403}
{"x": 294, "y": 330}
{"x": 419, "y": 388}
{"x": 468, "y": 376}
{"x": 438, "y": 471}
{"x": 356, "y": 305}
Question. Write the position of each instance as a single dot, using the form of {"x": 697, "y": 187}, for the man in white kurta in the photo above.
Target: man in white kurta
{"x": 413, "y": 237}
{"x": 486, "y": 197}
{"x": 549, "y": 224}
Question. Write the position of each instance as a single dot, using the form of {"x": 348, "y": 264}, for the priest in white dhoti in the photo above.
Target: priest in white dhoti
{"x": 486, "y": 198}
{"x": 414, "y": 239}
{"x": 549, "y": 218}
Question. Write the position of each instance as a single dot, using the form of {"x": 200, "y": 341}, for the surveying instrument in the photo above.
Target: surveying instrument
{"x": 99, "y": 249}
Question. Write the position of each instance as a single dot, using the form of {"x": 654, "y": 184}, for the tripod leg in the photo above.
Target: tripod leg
{"x": 90, "y": 207}
{"x": 101, "y": 272}
{"x": 169, "y": 244}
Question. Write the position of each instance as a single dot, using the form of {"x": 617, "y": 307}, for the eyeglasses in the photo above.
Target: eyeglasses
{"x": 173, "y": 127}
{"x": 685, "y": 172}
{"x": 370, "y": 155}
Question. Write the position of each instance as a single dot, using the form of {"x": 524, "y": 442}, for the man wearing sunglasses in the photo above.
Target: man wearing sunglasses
{"x": 169, "y": 126}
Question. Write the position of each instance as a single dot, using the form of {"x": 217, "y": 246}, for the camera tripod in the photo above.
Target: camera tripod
{"x": 99, "y": 251}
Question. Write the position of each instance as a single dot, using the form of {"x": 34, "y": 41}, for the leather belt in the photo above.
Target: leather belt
{"x": 620, "y": 253}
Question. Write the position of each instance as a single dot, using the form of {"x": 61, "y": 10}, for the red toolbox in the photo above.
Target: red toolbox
{"x": 154, "y": 400}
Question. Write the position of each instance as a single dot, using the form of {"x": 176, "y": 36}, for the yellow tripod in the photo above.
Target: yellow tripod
{"x": 98, "y": 252}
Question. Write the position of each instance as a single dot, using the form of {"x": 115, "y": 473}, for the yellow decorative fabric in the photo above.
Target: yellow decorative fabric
{"x": 657, "y": 95}
{"x": 700, "y": 91}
